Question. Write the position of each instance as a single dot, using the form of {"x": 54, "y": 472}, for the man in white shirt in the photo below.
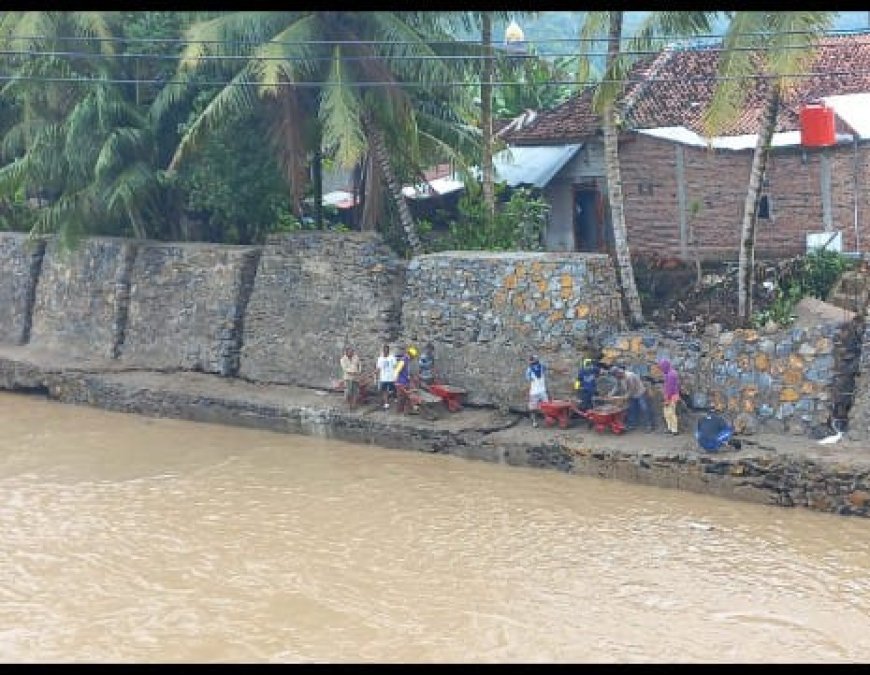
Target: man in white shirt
{"x": 536, "y": 376}
{"x": 386, "y": 367}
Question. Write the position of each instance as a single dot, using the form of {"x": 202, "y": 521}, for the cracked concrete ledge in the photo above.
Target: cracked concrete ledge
{"x": 776, "y": 470}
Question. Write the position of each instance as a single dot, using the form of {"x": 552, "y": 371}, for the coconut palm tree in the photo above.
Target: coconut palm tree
{"x": 486, "y": 113}
{"x": 362, "y": 72}
{"x": 775, "y": 44}
{"x": 621, "y": 54}
{"x": 83, "y": 144}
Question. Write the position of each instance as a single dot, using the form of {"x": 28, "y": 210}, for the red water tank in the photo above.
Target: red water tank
{"x": 817, "y": 125}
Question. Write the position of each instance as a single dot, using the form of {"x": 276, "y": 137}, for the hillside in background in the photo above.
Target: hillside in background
{"x": 550, "y": 26}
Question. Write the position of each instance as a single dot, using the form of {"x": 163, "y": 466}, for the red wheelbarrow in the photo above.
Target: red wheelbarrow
{"x": 559, "y": 411}
{"x": 452, "y": 396}
{"x": 604, "y": 416}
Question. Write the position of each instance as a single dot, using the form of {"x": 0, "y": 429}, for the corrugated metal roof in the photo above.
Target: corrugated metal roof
{"x": 686, "y": 136}
{"x": 340, "y": 199}
{"x": 436, "y": 186}
{"x": 854, "y": 110}
{"x": 532, "y": 164}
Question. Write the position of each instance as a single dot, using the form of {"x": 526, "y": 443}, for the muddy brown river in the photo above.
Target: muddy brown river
{"x": 128, "y": 539}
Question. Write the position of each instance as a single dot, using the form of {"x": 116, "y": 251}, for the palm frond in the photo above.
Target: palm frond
{"x": 287, "y": 55}
{"x": 13, "y": 176}
{"x": 122, "y": 146}
{"x": 234, "y": 99}
{"x": 98, "y": 25}
{"x": 593, "y": 34}
{"x": 27, "y": 32}
{"x": 736, "y": 63}
{"x": 792, "y": 45}
{"x": 131, "y": 192}
{"x": 234, "y": 34}
{"x": 660, "y": 26}
{"x": 340, "y": 116}
{"x": 17, "y": 138}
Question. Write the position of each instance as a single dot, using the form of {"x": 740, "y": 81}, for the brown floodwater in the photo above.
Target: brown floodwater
{"x": 128, "y": 539}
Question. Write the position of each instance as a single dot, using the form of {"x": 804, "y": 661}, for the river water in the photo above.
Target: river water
{"x": 128, "y": 539}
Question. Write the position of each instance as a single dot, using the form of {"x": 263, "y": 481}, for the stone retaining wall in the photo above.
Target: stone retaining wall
{"x": 283, "y": 312}
{"x": 314, "y": 293}
{"x": 186, "y": 306}
{"x": 78, "y": 297}
{"x": 486, "y": 312}
{"x": 782, "y": 379}
{"x": 20, "y": 263}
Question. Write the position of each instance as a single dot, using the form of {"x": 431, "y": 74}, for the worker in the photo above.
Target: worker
{"x": 536, "y": 376}
{"x": 586, "y": 384}
{"x": 628, "y": 384}
{"x": 713, "y": 431}
{"x": 426, "y": 365}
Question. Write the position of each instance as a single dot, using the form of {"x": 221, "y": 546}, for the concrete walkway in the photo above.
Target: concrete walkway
{"x": 785, "y": 470}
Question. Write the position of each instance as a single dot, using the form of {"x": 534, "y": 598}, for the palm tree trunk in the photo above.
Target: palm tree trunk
{"x": 317, "y": 184}
{"x": 373, "y": 191}
{"x": 486, "y": 113}
{"x": 379, "y": 149}
{"x": 614, "y": 187}
{"x": 746, "y": 264}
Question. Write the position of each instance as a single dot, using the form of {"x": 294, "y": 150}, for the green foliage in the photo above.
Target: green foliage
{"x": 814, "y": 277}
{"x": 235, "y": 184}
{"x": 285, "y": 221}
{"x": 531, "y": 85}
{"x": 16, "y": 215}
{"x": 519, "y": 222}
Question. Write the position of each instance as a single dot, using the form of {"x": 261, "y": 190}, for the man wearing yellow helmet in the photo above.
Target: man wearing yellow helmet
{"x": 586, "y": 384}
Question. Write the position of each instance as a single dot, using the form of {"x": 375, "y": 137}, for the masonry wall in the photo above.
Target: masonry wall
{"x": 486, "y": 312}
{"x": 783, "y": 379}
{"x": 200, "y": 307}
{"x": 78, "y": 297}
{"x": 314, "y": 293}
{"x": 20, "y": 263}
{"x": 186, "y": 306}
{"x": 716, "y": 181}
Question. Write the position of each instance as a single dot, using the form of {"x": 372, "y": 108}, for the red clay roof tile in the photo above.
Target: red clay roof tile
{"x": 681, "y": 84}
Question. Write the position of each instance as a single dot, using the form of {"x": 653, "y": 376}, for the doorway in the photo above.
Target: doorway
{"x": 589, "y": 219}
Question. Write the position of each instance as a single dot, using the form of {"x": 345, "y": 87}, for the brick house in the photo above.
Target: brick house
{"x": 678, "y": 185}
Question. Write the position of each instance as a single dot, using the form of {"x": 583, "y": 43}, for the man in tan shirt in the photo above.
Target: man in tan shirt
{"x": 630, "y": 385}
{"x": 351, "y": 371}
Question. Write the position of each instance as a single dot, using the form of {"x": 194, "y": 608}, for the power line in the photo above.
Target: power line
{"x": 425, "y": 85}
{"x": 834, "y": 32}
{"x": 684, "y": 46}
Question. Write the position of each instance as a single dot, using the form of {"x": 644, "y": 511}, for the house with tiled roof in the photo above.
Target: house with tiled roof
{"x": 684, "y": 193}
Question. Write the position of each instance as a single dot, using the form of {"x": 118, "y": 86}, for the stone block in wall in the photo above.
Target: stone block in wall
{"x": 77, "y": 297}
{"x": 20, "y": 264}
{"x": 186, "y": 302}
{"x": 486, "y": 312}
{"x": 314, "y": 293}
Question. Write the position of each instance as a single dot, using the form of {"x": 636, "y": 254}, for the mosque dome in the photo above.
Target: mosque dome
{"x": 513, "y": 33}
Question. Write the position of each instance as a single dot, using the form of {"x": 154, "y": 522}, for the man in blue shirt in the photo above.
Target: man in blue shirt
{"x": 587, "y": 384}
